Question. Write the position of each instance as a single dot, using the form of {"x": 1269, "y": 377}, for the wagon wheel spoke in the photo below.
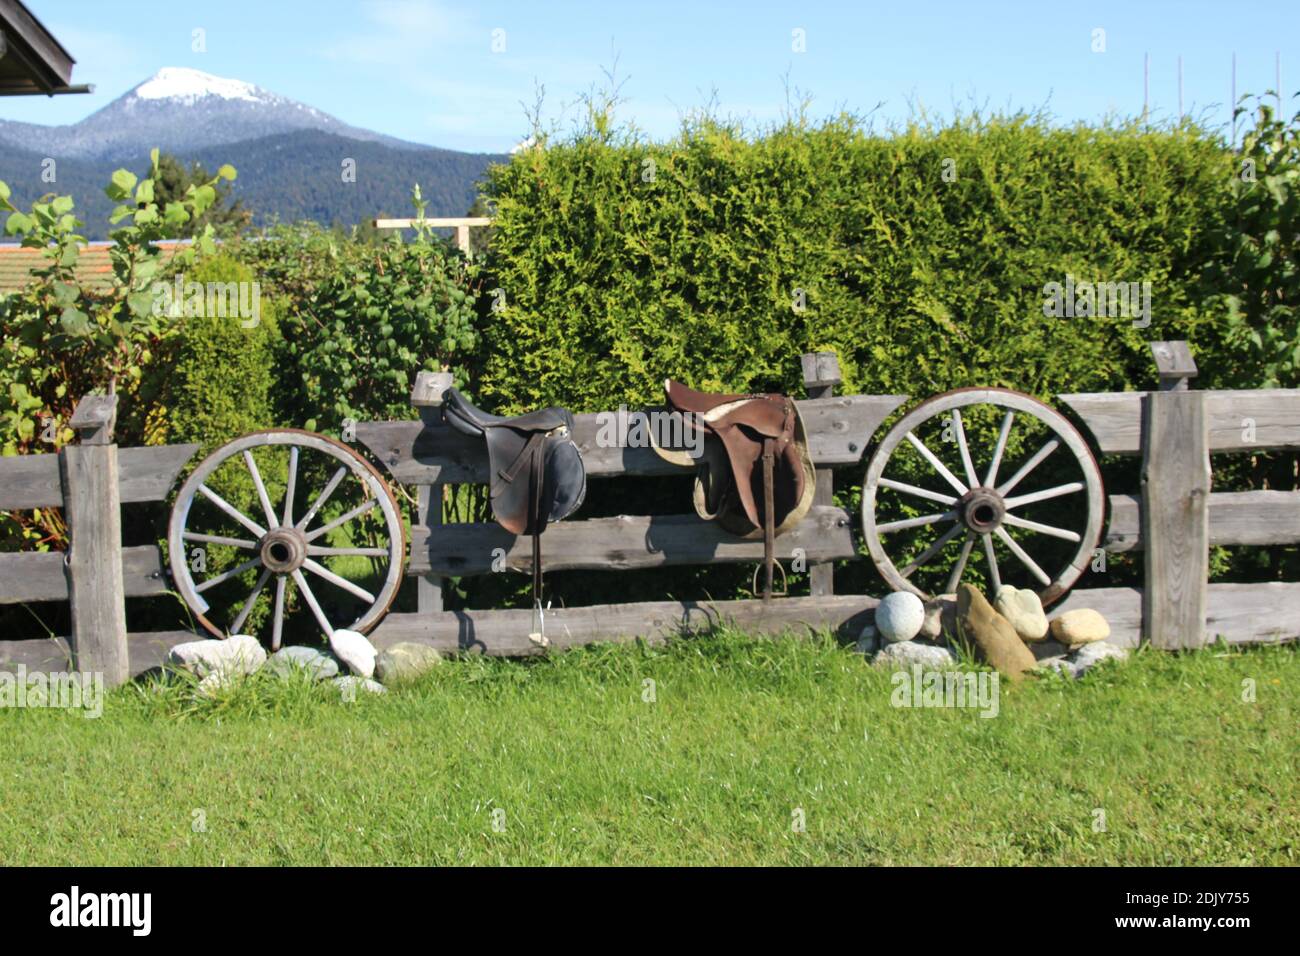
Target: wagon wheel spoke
{"x": 277, "y": 625}
{"x": 342, "y": 519}
{"x": 312, "y": 603}
{"x": 227, "y": 575}
{"x": 994, "y": 577}
{"x": 931, "y": 551}
{"x": 985, "y": 510}
{"x": 907, "y": 489}
{"x": 936, "y": 464}
{"x": 964, "y": 448}
{"x": 1045, "y": 494}
{"x": 285, "y": 550}
{"x": 237, "y": 626}
{"x": 920, "y": 522}
{"x": 219, "y": 539}
{"x": 1063, "y": 533}
{"x": 231, "y": 510}
{"x": 957, "y": 569}
{"x": 317, "y": 552}
{"x": 1030, "y": 465}
{"x": 999, "y": 449}
{"x": 323, "y": 497}
{"x": 1024, "y": 557}
{"x": 338, "y": 581}
{"x": 291, "y": 486}
{"x": 262, "y": 496}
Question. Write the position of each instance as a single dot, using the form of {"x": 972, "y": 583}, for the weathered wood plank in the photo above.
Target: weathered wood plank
{"x": 148, "y": 474}
{"x": 623, "y": 543}
{"x": 1175, "y": 519}
{"x": 147, "y": 650}
{"x": 94, "y": 563}
{"x": 30, "y": 481}
{"x": 1236, "y": 517}
{"x": 1239, "y": 613}
{"x": 505, "y": 633}
{"x": 821, "y": 373}
{"x": 1237, "y": 421}
{"x": 144, "y": 474}
{"x": 41, "y": 577}
{"x": 418, "y": 453}
{"x": 428, "y": 588}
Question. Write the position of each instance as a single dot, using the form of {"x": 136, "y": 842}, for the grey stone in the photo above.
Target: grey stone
{"x": 292, "y": 661}
{"x": 235, "y": 655}
{"x": 868, "y": 640}
{"x": 1085, "y": 659}
{"x": 354, "y": 650}
{"x": 405, "y": 661}
{"x": 907, "y": 653}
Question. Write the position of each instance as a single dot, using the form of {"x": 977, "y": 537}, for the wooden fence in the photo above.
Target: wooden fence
{"x": 90, "y": 481}
{"x": 1175, "y": 518}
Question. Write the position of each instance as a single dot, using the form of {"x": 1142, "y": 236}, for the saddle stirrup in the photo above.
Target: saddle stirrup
{"x": 769, "y": 519}
{"x": 537, "y": 628}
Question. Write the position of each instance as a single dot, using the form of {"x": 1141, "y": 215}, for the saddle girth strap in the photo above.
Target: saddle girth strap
{"x": 769, "y": 518}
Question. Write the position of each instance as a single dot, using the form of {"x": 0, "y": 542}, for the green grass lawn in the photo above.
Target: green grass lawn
{"x": 740, "y": 734}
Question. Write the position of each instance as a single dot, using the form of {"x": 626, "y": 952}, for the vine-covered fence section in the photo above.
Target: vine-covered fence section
{"x": 1175, "y": 518}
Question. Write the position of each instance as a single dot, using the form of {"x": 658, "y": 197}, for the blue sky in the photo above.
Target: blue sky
{"x": 427, "y": 71}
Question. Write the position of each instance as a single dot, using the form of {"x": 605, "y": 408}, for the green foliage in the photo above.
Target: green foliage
{"x": 719, "y": 258}
{"x": 226, "y": 215}
{"x": 363, "y": 318}
{"x": 219, "y": 375}
{"x": 1254, "y": 265}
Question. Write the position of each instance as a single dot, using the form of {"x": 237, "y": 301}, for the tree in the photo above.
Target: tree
{"x": 226, "y": 215}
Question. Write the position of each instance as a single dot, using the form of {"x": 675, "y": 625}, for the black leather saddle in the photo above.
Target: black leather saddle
{"x": 535, "y": 473}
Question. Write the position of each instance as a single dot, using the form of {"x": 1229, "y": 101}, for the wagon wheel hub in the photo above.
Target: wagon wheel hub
{"x": 283, "y": 550}
{"x": 981, "y": 510}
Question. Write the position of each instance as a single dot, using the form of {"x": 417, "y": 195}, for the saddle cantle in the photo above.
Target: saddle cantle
{"x": 535, "y": 473}
{"x": 755, "y": 476}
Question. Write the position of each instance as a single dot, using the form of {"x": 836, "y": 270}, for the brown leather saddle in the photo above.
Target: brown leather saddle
{"x": 755, "y": 476}
{"x": 535, "y": 474}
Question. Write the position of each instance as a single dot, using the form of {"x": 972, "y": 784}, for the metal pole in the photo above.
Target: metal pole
{"x": 1234, "y": 99}
{"x": 1146, "y": 84}
{"x": 1180, "y": 87}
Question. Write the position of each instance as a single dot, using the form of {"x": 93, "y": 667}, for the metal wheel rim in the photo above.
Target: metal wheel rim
{"x": 1006, "y": 399}
{"x": 354, "y": 464}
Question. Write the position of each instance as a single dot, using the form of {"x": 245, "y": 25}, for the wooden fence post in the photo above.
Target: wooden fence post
{"x": 93, "y": 509}
{"x": 427, "y": 393}
{"x": 1175, "y": 504}
{"x": 821, "y": 373}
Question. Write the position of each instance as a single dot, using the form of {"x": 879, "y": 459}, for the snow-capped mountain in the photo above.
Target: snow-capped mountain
{"x": 181, "y": 110}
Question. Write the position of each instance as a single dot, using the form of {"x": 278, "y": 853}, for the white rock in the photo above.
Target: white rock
{"x": 240, "y": 654}
{"x": 899, "y": 616}
{"x": 907, "y": 653}
{"x": 1023, "y": 611}
{"x": 1080, "y": 626}
{"x": 354, "y": 650}
{"x": 350, "y": 686}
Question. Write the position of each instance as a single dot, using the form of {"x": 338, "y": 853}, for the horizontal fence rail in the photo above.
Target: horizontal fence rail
{"x": 1174, "y": 519}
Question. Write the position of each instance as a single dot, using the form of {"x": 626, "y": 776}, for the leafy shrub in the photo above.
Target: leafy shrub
{"x": 362, "y": 318}
{"x": 217, "y": 378}
{"x": 719, "y": 258}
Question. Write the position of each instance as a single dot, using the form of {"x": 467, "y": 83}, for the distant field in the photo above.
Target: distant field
{"x": 739, "y": 737}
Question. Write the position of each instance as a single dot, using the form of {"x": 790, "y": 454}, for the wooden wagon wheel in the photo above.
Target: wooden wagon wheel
{"x": 984, "y": 508}
{"x": 280, "y": 540}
